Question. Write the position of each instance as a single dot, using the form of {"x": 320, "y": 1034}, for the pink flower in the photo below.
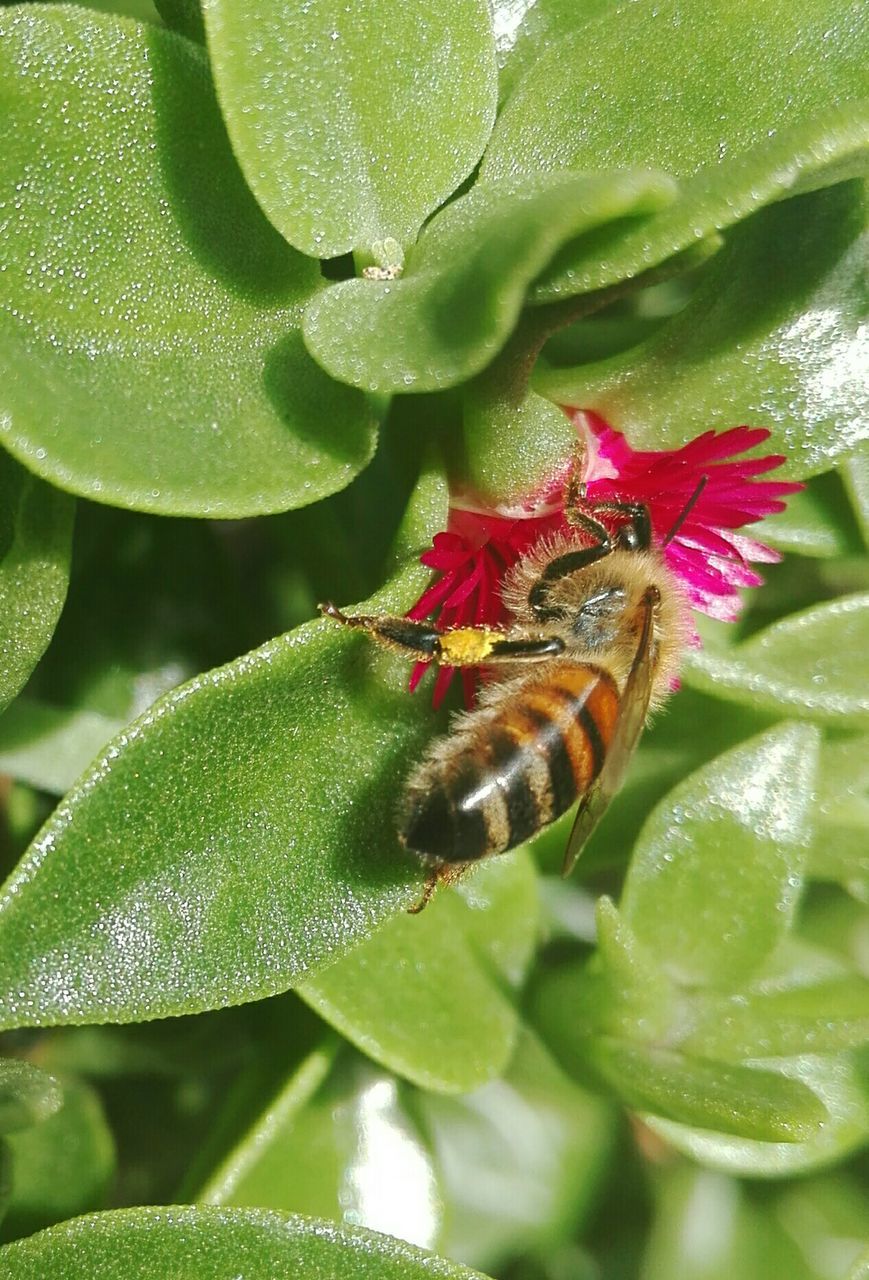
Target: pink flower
{"x": 712, "y": 560}
{"x": 478, "y": 548}
{"x": 472, "y": 558}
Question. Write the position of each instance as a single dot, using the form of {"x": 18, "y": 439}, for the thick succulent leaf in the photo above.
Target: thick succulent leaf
{"x": 810, "y": 664}
{"x": 714, "y": 879}
{"x": 750, "y": 121}
{"x": 150, "y": 355}
{"x": 184, "y": 16}
{"x": 35, "y": 542}
{"x": 344, "y": 119}
{"x": 634, "y": 997}
{"x": 457, "y": 301}
{"x": 444, "y": 970}
{"x": 836, "y": 1083}
{"x": 816, "y": 521}
{"x": 821, "y": 1017}
{"x": 517, "y": 1185}
{"x": 840, "y": 849}
{"x": 27, "y": 1095}
{"x": 335, "y": 1142}
{"x": 525, "y": 30}
{"x": 207, "y": 1243}
{"x": 61, "y": 1167}
{"x": 860, "y": 1269}
{"x": 620, "y": 993}
{"x": 237, "y": 837}
{"x": 762, "y": 1105}
{"x": 855, "y": 472}
{"x": 775, "y": 333}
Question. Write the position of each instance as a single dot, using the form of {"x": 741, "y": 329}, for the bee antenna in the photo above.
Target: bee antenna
{"x": 686, "y": 510}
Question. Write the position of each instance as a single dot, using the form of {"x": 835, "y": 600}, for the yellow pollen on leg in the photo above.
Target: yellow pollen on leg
{"x": 467, "y": 646}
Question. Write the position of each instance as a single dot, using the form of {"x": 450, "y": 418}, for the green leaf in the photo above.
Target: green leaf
{"x": 48, "y": 747}
{"x": 150, "y": 355}
{"x": 344, "y": 120}
{"x": 520, "y": 1160}
{"x": 456, "y": 303}
{"x": 774, "y": 333}
{"x": 251, "y": 801}
{"x": 821, "y": 1017}
{"x": 733, "y": 97}
{"x": 860, "y": 1269}
{"x": 764, "y": 1106}
{"x": 335, "y": 1142}
{"x": 190, "y": 1243}
{"x": 814, "y": 523}
{"x": 637, "y": 995}
{"x": 27, "y": 1095}
{"x": 184, "y": 16}
{"x": 35, "y": 540}
{"x": 61, "y": 1167}
{"x": 620, "y": 992}
{"x": 444, "y": 970}
{"x": 714, "y": 880}
{"x": 526, "y": 30}
{"x": 151, "y": 603}
{"x": 840, "y": 849}
{"x": 834, "y": 1081}
{"x": 810, "y": 664}
{"x": 855, "y": 472}
{"x": 249, "y": 798}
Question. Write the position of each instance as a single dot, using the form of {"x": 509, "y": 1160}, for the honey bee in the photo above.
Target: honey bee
{"x": 599, "y": 626}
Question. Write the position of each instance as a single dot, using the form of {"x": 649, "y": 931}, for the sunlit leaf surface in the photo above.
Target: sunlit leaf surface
{"x": 150, "y": 355}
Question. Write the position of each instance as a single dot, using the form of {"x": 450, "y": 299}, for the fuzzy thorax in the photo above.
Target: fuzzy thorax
{"x": 600, "y": 611}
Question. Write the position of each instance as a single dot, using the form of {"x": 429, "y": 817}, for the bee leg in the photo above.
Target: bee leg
{"x": 460, "y": 647}
{"x": 416, "y": 640}
{"x": 574, "y": 494}
{"x": 443, "y": 873}
{"x": 635, "y": 533}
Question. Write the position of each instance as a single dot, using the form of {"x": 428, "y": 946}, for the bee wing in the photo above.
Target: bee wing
{"x": 633, "y": 708}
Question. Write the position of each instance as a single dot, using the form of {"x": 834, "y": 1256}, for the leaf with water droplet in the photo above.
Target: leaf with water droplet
{"x": 466, "y": 280}
{"x": 35, "y": 545}
{"x": 235, "y": 839}
{"x": 150, "y": 353}
{"x": 809, "y": 664}
{"x": 775, "y": 333}
{"x": 344, "y": 117}
{"x": 451, "y": 969}
{"x": 716, "y": 873}
{"x": 209, "y": 1243}
{"x": 733, "y": 97}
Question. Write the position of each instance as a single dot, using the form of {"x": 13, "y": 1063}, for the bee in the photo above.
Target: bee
{"x": 599, "y": 627}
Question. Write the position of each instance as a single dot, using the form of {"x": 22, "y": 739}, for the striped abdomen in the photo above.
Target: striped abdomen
{"x": 515, "y": 766}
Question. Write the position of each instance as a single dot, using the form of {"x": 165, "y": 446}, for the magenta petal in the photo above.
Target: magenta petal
{"x": 465, "y": 589}
{"x": 441, "y": 685}
{"x": 723, "y": 608}
{"x": 419, "y": 670}
{"x": 430, "y": 599}
{"x": 750, "y": 549}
